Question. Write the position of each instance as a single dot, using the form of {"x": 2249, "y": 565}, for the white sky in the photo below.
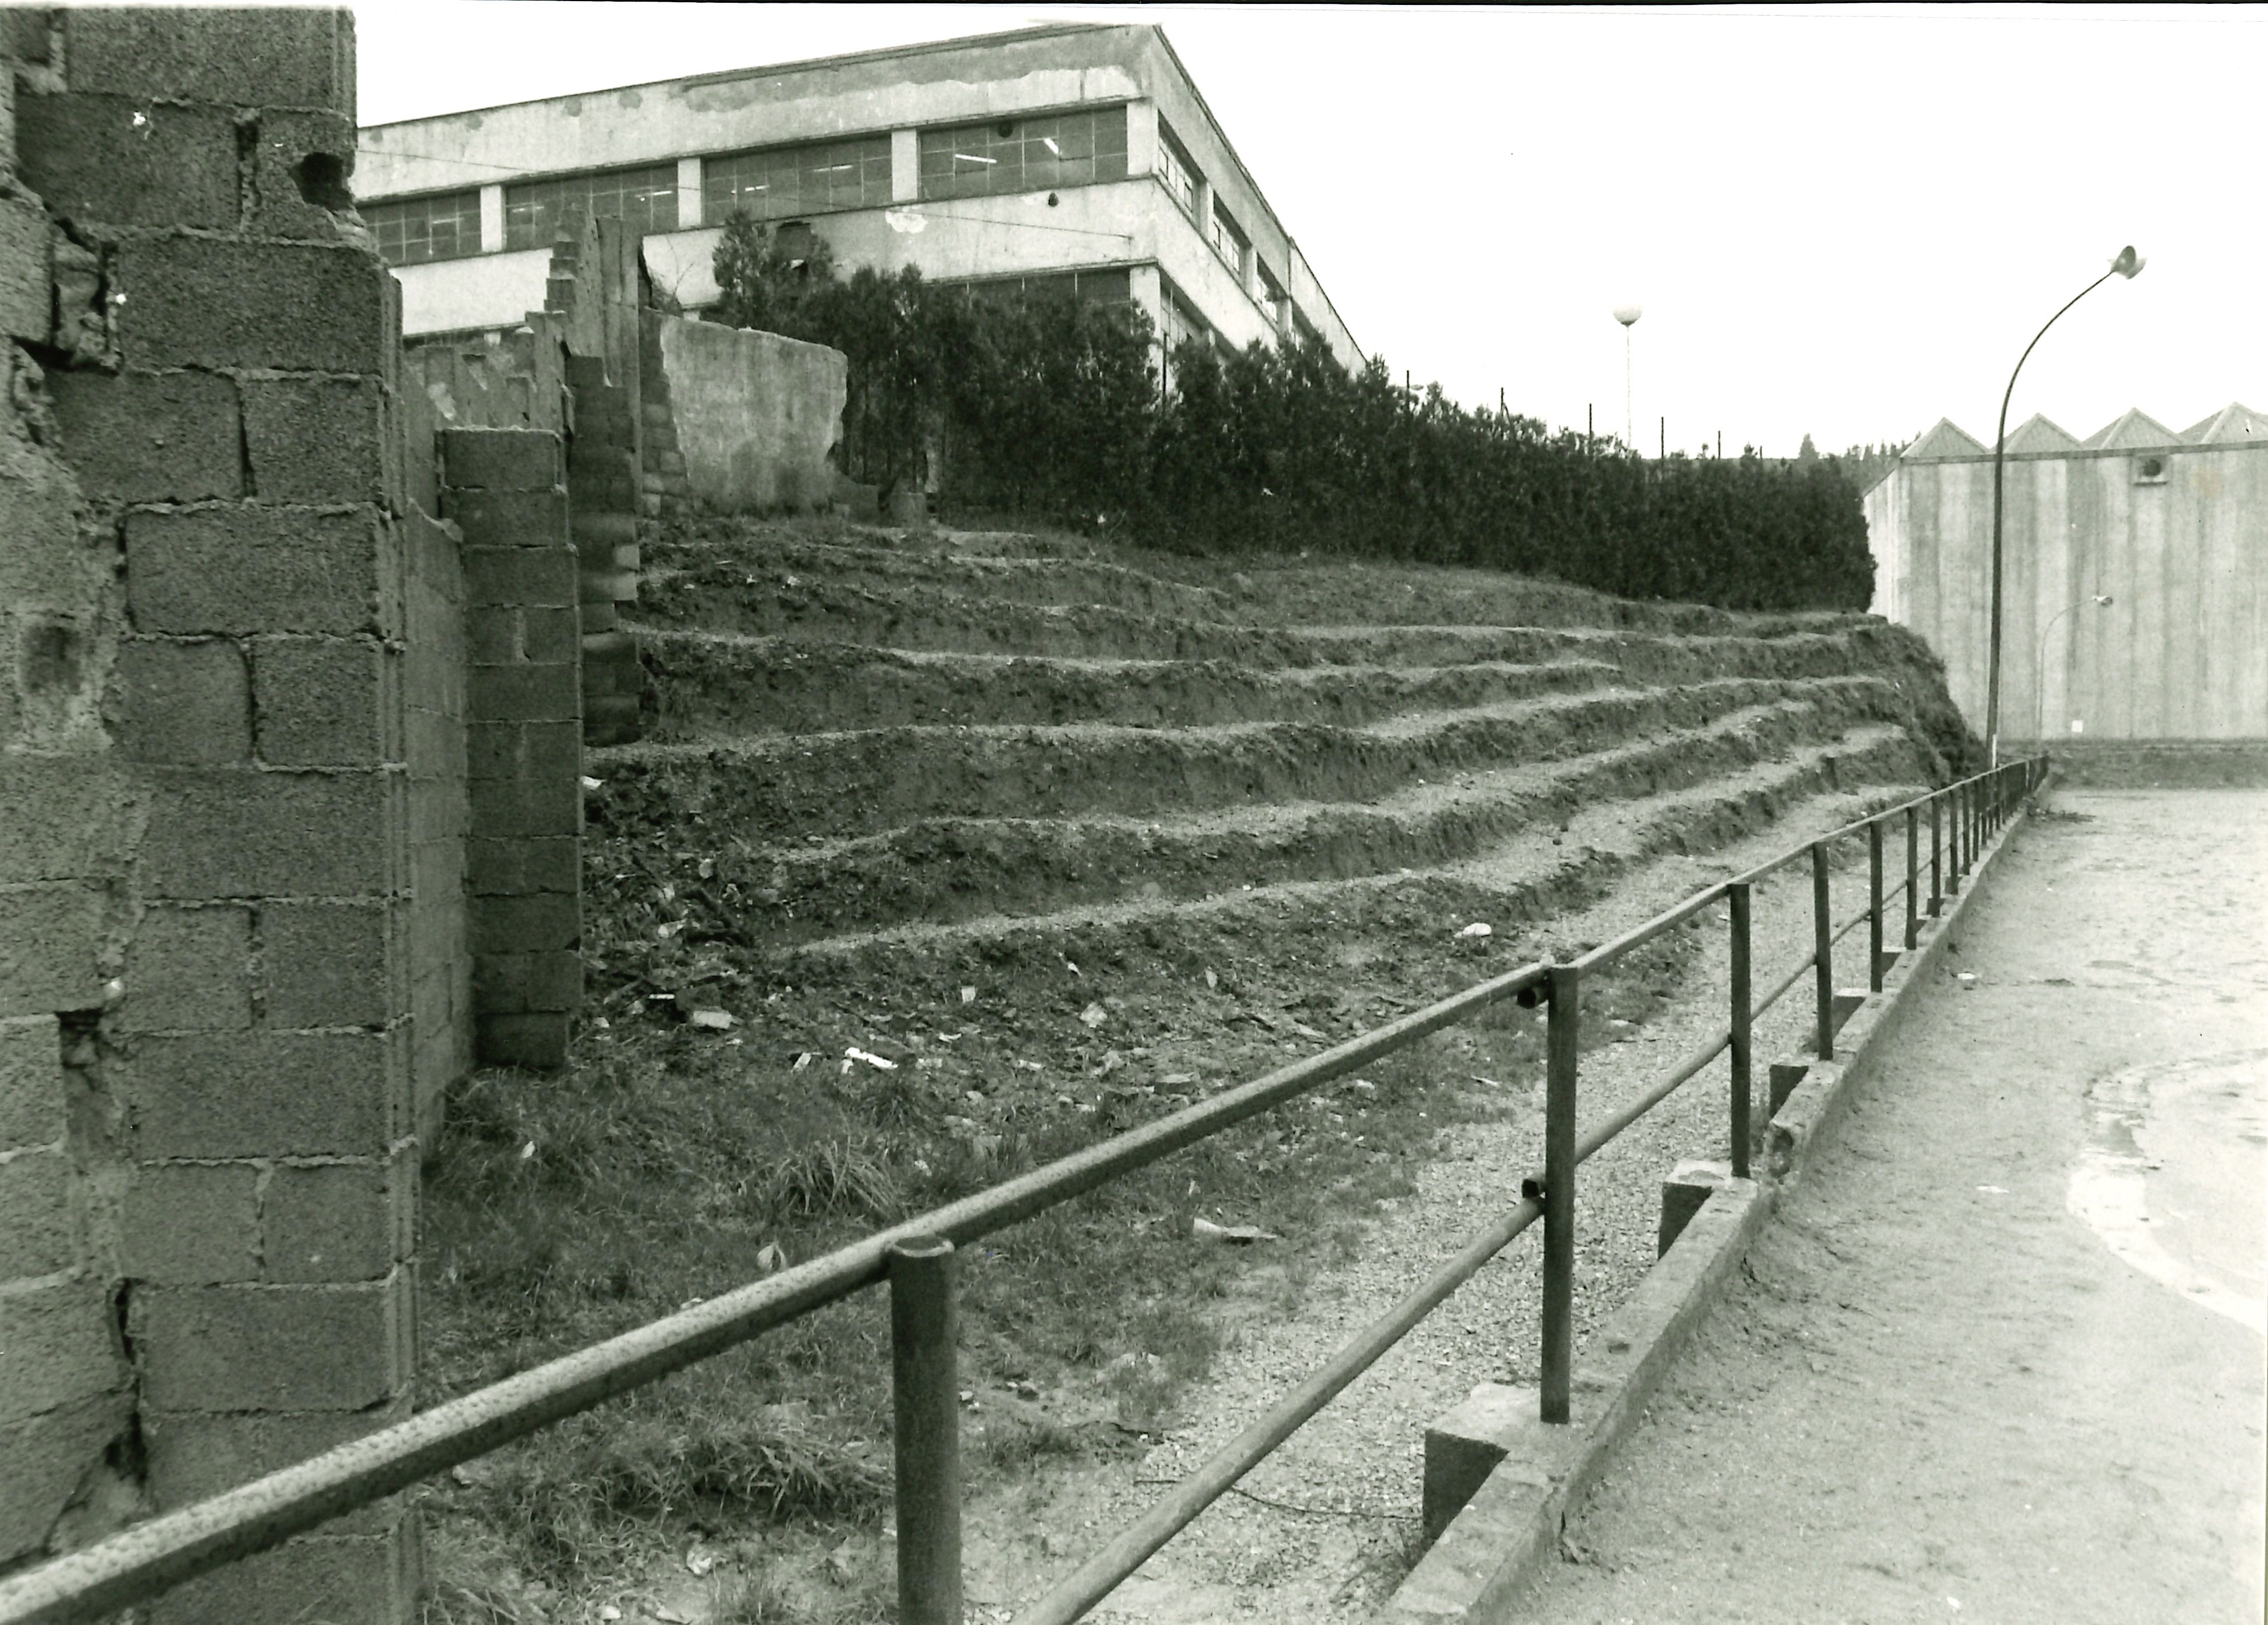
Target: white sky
{"x": 1844, "y": 220}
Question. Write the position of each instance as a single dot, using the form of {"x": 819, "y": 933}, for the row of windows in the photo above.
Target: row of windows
{"x": 1019, "y": 155}
{"x": 1025, "y": 155}
{"x": 1106, "y": 287}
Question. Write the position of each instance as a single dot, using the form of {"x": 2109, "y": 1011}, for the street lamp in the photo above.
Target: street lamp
{"x": 2128, "y": 264}
{"x": 1628, "y": 315}
{"x": 2040, "y": 666}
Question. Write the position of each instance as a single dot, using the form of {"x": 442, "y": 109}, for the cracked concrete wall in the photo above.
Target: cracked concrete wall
{"x": 232, "y": 960}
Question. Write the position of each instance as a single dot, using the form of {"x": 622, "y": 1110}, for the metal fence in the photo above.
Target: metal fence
{"x": 916, "y": 1259}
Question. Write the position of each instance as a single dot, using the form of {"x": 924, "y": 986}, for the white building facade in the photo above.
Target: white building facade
{"x": 1075, "y": 158}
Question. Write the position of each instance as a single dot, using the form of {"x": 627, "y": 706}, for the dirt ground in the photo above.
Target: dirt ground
{"x": 1953, "y": 1385}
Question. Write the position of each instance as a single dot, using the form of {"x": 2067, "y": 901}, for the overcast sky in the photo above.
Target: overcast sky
{"x": 1841, "y": 221}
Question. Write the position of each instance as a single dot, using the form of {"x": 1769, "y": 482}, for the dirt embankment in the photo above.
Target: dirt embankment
{"x": 947, "y": 856}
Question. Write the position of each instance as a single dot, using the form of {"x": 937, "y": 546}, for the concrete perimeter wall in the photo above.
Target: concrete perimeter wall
{"x": 2180, "y": 651}
{"x": 754, "y": 415}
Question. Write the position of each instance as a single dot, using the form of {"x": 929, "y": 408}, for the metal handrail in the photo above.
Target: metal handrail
{"x": 915, "y": 1257}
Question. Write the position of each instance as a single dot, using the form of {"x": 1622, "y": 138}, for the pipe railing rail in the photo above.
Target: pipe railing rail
{"x": 915, "y": 1258}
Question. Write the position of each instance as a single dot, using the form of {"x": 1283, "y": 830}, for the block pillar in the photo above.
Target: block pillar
{"x": 505, "y": 490}
{"x": 206, "y": 985}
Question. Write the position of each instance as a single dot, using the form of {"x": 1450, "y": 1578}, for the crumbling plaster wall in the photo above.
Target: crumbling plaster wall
{"x": 233, "y": 969}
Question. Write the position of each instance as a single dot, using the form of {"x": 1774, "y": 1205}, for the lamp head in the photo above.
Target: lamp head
{"x": 2128, "y": 264}
{"x": 2103, "y": 598}
{"x": 1628, "y": 313}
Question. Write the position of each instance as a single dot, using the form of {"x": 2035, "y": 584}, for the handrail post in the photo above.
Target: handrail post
{"x": 1937, "y": 855}
{"x": 1822, "y": 948}
{"x": 1563, "y": 1041}
{"x": 1913, "y": 880}
{"x": 1873, "y": 905}
{"x": 925, "y": 1403}
{"x": 1955, "y": 821}
{"x": 1736, "y": 897}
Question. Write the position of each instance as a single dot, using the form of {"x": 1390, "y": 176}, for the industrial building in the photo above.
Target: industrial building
{"x": 1077, "y": 157}
{"x": 2134, "y": 576}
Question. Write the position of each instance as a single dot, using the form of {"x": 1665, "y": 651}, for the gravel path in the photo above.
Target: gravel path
{"x": 1948, "y": 1388}
{"x": 1325, "y": 1528}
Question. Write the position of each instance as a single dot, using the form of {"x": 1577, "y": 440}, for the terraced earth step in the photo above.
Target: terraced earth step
{"x": 713, "y": 684}
{"x": 944, "y": 870}
{"x": 1012, "y": 566}
{"x": 1517, "y": 885}
{"x": 720, "y": 683}
{"x": 763, "y": 602}
{"x": 861, "y": 782}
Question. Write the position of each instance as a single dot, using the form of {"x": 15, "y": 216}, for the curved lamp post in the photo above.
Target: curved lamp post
{"x": 2127, "y": 264}
{"x": 2040, "y": 666}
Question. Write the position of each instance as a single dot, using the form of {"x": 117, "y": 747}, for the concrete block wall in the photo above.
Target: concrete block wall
{"x": 506, "y": 491}
{"x": 212, "y": 575}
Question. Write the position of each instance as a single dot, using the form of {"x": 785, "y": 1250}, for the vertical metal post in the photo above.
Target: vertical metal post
{"x": 1736, "y": 897}
{"x": 1936, "y": 855}
{"x": 1563, "y": 1041}
{"x": 1913, "y": 880}
{"x": 1956, "y": 816}
{"x": 1822, "y": 948}
{"x": 1873, "y": 905}
{"x": 926, "y": 1405}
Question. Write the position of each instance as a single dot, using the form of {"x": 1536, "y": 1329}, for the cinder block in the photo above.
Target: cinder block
{"x": 526, "y": 924}
{"x": 61, "y": 1347}
{"x": 267, "y": 1094}
{"x": 500, "y": 984}
{"x": 230, "y": 832}
{"x": 500, "y": 459}
{"x": 536, "y": 1042}
{"x": 300, "y": 166}
{"x": 325, "y": 701}
{"x": 504, "y": 809}
{"x": 315, "y": 1580}
{"x": 189, "y": 970}
{"x": 51, "y": 940}
{"x": 555, "y": 981}
{"x": 45, "y": 564}
{"x": 192, "y": 1456}
{"x": 35, "y": 1224}
{"x": 528, "y": 692}
{"x": 31, "y": 1082}
{"x": 24, "y": 33}
{"x": 208, "y": 302}
{"x": 271, "y": 1347}
{"x": 192, "y": 1224}
{"x": 1463, "y": 1446}
{"x": 231, "y": 57}
{"x": 45, "y": 1462}
{"x": 333, "y": 964}
{"x": 318, "y": 440}
{"x": 519, "y": 576}
{"x": 492, "y": 637}
{"x": 330, "y": 1222}
{"x": 125, "y": 160}
{"x": 1689, "y": 1185}
{"x": 550, "y": 636}
{"x": 27, "y": 294}
{"x": 61, "y": 817}
{"x": 184, "y": 702}
{"x": 251, "y": 569}
{"x": 1782, "y": 1079}
{"x": 141, "y": 437}
{"x": 508, "y": 519}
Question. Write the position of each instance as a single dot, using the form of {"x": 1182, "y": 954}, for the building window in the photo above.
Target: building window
{"x": 798, "y": 181}
{"x": 1278, "y": 301}
{"x": 1177, "y": 171}
{"x": 644, "y": 199}
{"x": 1025, "y": 155}
{"x": 1228, "y": 238}
{"x": 1104, "y": 287}
{"x": 2149, "y": 469}
{"x": 418, "y": 229}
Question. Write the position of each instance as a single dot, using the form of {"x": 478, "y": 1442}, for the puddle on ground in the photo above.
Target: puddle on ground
{"x": 2174, "y": 1182}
